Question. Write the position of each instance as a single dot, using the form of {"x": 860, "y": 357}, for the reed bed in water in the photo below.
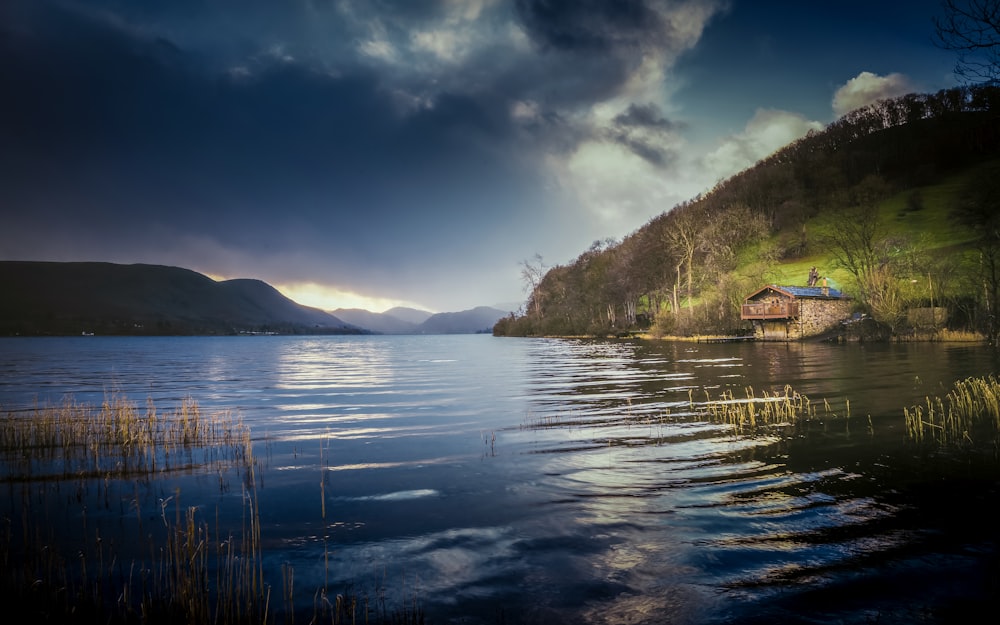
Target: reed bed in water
{"x": 746, "y": 414}
{"x": 970, "y": 411}
{"x": 59, "y": 568}
{"x": 117, "y": 440}
{"x": 157, "y": 562}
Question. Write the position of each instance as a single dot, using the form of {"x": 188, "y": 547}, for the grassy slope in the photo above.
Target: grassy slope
{"x": 930, "y": 228}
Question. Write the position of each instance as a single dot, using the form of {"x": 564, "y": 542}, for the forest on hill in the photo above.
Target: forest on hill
{"x": 895, "y": 203}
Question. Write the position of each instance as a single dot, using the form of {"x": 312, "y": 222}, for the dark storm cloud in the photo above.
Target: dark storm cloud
{"x": 644, "y": 116}
{"x": 644, "y": 131}
{"x": 121, "y": 118}
{"x": 367, "y": 139}
{"x": 595, "y": 26}
{"x": 408, "y": 10}
{"x": 589, "y": 49}
{"x": 85, "y": 81}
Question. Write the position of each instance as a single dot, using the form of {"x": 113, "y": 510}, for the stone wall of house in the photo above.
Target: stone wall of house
{"x": 816, "y": 316}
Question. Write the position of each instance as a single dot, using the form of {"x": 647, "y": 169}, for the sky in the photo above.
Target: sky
{"x": 375, "y": 153}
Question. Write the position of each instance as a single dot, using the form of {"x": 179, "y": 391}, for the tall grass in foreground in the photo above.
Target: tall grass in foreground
{"x": 82, "y": 542}
{"x": 969, "y": 413}
{"x": 59, "y": 568}
{"x": 118, "y": 440}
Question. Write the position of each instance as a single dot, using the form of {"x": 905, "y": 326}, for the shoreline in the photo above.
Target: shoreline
{"x": 941, "y": 336}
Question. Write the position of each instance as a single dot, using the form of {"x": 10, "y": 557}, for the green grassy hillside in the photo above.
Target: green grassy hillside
{"x": 926, "y": 222}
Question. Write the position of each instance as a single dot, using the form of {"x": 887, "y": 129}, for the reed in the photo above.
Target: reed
{"x": 116, "y": 441}
{"x": 60, "y": 566}
{"x": 942, "y": 335}
{"x": 190, "y": 574}
{"x": 969, "y": 413}
{"x": 768, "y": 409}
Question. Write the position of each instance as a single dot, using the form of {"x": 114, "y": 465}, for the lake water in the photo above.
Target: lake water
{"x": 572, "y": 481}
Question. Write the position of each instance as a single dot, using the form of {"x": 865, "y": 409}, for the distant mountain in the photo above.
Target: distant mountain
{"x": 383, "y": 323}
{"x": 411, "y": 321}
{"x": 41, "y": 298}
{"x": 479, "y": 319}
{"x": 410, "y": 315}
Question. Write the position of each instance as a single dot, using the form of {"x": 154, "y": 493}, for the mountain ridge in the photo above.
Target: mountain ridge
{"x": 72, "y": 298}
{"x": 480, "y": 319}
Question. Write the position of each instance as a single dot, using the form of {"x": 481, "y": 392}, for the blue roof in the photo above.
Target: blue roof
{"x": 810, "y": 291}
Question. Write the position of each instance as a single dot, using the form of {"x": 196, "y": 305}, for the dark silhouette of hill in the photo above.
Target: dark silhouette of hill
{"x": 52, "y": 298}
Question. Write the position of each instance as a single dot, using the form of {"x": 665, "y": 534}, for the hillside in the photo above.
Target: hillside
{"x": 48, "y": 298}
{"x": 895, "y": 203}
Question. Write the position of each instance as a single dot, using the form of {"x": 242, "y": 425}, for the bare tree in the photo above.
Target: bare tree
{"x": 853, "y": 243}
{"x": 683, "y": 239}
{"x": 886, "y": 298}
{"x": 532, "y": 272}
{"x": 971, "y": 28}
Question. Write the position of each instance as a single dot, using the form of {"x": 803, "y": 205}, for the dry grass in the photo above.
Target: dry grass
{"x": 155, "y": 562}
{"x": 969, "y": 413}
{"x": 749, "y": 413}
{"x": 117, "y": 440}
{"x": 193, "y": 573}
{"x": 943, "y": 335}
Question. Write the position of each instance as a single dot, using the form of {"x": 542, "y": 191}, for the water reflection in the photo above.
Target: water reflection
{"x": 343, "y": 366}
{"x": 576, "y": 481}
{"x": 608, "y": 425}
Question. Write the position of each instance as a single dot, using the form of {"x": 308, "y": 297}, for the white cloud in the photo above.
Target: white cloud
{"x": 765, "y": 133}
{"x": 446, "y": 45}
{"x": 608, "y": 186}
{"x": 377, "y": 44}
{"x": 683, "y": 25}
{"x": 612, "y": 190}
{"x": 458, "y": 34}
{"x": 867, "y": 88}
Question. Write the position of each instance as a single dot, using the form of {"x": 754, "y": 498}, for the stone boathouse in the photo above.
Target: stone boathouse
{"x": 788, "y": 313}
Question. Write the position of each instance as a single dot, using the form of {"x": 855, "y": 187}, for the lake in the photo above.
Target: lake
{"x": 493, "y": 480}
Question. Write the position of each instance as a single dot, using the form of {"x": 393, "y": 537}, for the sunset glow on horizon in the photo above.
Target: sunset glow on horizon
{"x": 331, "y": 298}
